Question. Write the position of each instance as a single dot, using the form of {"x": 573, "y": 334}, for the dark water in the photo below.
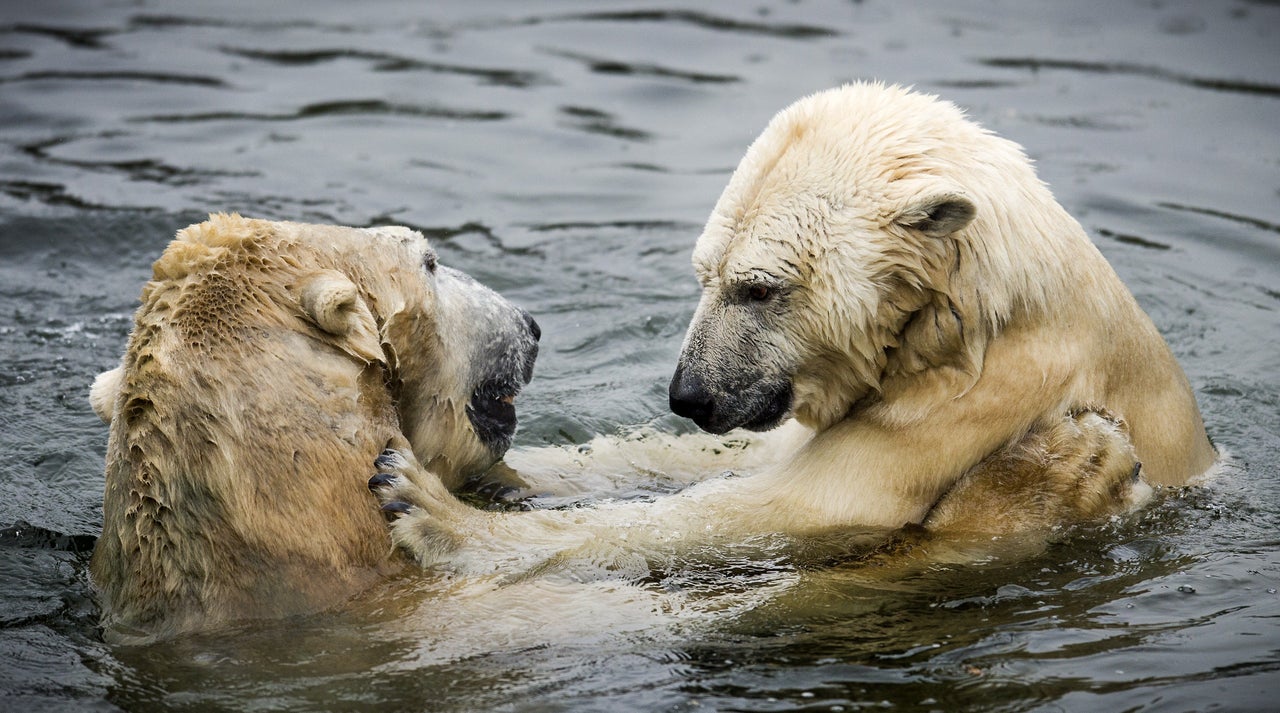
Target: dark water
{"x": 566, "y": 153}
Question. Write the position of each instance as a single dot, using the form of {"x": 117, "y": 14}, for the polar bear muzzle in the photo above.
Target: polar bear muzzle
{"x": 502, "y": 341}
{"x": 754, "y": 401}
{"x": 736, "y": 367}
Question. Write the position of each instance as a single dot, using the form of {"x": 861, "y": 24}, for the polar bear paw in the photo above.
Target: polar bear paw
{"x": 1090, "y": 463}
{"x": 421, "y": 512}
{"x": 1079, "y": 467}
{"x": 393, "y": 488}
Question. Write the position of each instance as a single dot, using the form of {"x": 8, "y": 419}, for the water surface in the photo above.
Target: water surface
{"x": 567, "y": 153}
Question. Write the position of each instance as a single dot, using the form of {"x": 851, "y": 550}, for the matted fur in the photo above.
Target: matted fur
{"x": 269, "y": 363}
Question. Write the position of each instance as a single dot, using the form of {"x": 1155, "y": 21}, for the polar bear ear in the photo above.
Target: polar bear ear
{"x": 103, "y": 393}
{"x": 333, "y": 303}
{"x": 938, "y": 215}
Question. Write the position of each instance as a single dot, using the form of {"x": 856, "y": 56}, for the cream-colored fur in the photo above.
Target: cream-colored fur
{"x": 269, "y": 364}
{"x": 900, "y": 280}
{"x": 644, "y": 457}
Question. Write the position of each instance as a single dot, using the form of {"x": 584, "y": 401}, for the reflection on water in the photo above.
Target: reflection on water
{"x": 567, "y": 153}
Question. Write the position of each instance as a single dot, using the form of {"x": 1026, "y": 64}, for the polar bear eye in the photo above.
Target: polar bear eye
{"x": 759, "y": 293}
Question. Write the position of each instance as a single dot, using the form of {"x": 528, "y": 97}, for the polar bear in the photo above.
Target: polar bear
{"x": 898, "y": 281}
{"x": 269, "y": 362}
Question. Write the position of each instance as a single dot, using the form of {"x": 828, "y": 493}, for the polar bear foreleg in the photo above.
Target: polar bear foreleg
{"x": 1077, "y": 468}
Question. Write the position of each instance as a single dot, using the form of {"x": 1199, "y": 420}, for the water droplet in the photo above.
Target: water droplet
{"x": 1271, "y": 590}
{"x": 1187, "y": 590}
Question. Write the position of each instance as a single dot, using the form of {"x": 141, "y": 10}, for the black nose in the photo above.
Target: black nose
{"x": 689, "y": 397}
{"x": 534, "y": 329}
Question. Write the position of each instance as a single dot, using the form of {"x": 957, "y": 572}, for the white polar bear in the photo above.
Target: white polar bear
{"x": 269, "y": 363}
{"x": 898, "y": 280}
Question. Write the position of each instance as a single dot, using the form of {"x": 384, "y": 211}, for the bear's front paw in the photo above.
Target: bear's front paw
{"x": 393, "y": 488}
{"x": 392, "y": 460}
{"x": 422, "y": 521}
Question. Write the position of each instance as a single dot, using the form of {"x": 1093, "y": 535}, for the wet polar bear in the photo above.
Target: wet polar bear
{"x": 954, "y": 348}
{"x": 269, "y": 363}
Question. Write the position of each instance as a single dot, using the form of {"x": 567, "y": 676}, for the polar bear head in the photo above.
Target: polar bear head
{"x": 269, "y": 364}
{"x": 867, "y": 232}
{"x": 455, "y": 352}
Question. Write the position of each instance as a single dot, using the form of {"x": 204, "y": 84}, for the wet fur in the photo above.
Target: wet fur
{"x": 268, "y": 365}
{"x": 942, "y": 325}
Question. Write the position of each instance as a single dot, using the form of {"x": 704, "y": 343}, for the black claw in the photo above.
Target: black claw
{"x": 381, "y": 480}
{"x": 1137, "y": 471}
{"x": 385, "y": 459}
{"x": 396, "y": 507}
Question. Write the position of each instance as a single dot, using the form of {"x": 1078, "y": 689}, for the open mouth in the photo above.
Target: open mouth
{"x": 492, "y": 412}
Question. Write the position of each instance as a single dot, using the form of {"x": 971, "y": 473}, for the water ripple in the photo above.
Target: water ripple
{"x": 673, "y": 225}
{"x": 974, "y": 83}
{"x": 1133, "y": 240}
{"x": 611, "y": 66}
{"x": 451, "y": 235}
{"x": 280, "y": 206}
{"x": 357, "y": 107}
{"x": 1213, "y": 83}
{"x": 1078, "y": 122}
{"x": 1255, "y": 222}
{"x": 705, "y": 21}
{"x": 118, "y": 76}
{"x": 147, "y": 170}
{"x": 387, "y": 62}
{"x": 594, "y": 121}
{"x": 642, "y": 166}
{"x": 255, "y": 24}
{"x": 50, "y": 194}
{"x": 75, "y": 37}
{"x": 23, "y": 534}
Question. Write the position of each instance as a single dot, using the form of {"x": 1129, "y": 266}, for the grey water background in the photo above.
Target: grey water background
{"x": 566, "y": 153}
